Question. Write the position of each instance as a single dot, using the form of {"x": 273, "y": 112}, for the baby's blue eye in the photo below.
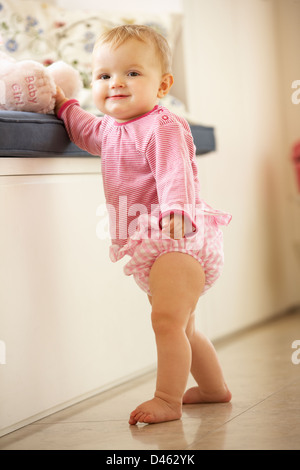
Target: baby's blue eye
{"x": 133, "y": 74}
{"x": 104, "y": 77}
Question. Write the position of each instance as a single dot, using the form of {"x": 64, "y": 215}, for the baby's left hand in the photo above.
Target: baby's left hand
{"x": 173, "y": 226}
{"x": 60, "y": 99}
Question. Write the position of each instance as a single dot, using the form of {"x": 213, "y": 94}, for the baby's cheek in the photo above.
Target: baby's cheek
{"x": 96, "y": 92}
{"x": 98, "y": 97}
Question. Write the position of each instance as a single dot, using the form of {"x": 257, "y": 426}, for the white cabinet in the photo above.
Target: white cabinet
{"x": 66, "y": 311}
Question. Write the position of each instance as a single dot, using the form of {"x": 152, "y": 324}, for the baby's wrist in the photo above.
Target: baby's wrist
{"x": 59, "y": 104}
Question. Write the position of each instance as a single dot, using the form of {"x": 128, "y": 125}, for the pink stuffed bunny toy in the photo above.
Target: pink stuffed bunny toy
{"x": 27, "y": 85}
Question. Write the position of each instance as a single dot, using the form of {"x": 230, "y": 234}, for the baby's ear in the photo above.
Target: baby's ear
{"x": 165, "y": 85}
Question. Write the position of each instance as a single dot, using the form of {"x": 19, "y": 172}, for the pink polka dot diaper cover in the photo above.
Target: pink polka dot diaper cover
{"x": 148, "y": 243}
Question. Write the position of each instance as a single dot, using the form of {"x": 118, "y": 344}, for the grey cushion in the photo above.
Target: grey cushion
{"x": 43, "y": 135}
{"x": 204, "y": 138}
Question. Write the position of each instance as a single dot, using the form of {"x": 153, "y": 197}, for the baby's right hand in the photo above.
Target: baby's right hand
{"x": 173, "y": 226}
{"x": 60, "y": 99}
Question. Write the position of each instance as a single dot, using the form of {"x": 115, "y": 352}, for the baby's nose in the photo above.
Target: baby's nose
{"x": 117, "y": 81}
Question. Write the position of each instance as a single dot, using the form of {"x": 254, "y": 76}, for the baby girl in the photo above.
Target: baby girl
{"x": 175, "y": 245}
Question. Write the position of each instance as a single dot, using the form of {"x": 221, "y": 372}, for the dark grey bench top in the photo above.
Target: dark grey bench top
{"x": 24, "y": 134}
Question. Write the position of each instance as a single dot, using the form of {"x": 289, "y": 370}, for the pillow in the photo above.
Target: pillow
{"x": 41, "y": 31}
{"x": 46, "y": 33}
{"x": 24, "y": 30}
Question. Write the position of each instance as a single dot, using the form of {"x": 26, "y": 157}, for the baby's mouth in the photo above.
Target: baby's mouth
{"x": 117, "y": 97}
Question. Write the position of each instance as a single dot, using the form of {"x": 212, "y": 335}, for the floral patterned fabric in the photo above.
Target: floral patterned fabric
{"x": 46, "y": 33}
{"x": 37, "y": 30}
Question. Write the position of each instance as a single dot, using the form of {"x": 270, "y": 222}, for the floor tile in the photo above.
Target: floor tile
{"x": 273, "y": 424}
{"x": 264, "y": 412}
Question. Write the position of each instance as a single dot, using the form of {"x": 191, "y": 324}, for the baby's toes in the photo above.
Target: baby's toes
{"x": 135, "y": 416}
{"x": 148, "y": 418}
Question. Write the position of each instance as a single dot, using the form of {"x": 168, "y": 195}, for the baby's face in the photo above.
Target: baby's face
{"x": 128, "y": 80}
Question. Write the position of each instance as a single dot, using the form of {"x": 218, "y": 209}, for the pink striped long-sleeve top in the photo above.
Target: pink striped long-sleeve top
{"x": 148, "y": 164}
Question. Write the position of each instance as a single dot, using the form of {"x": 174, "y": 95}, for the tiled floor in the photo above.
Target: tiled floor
{"x": 264, "y": 413}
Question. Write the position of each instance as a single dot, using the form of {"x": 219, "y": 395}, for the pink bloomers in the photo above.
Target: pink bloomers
{"x": 148, "y": 243}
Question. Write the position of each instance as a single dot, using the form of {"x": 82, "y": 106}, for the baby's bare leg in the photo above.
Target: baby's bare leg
{"x": 176, "y": 282}
{"x": 206, "y": 370}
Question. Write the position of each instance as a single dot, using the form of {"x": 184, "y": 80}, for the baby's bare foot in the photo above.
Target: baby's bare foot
{"x": 156, "y": 410}
{"x": 195, "y": 395}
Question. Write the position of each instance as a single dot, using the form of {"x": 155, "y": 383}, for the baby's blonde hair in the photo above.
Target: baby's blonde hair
{"x": 118, "y": 35}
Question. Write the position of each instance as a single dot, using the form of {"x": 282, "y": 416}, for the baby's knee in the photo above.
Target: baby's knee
{"x": 165, "y": 321}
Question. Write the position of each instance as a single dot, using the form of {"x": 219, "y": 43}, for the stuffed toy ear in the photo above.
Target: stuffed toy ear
{"x": 66, "y": 77}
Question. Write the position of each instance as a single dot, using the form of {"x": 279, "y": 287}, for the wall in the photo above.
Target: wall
{"x": 289, "y": 49}
{"x": 235, "y": 82}
{"x": 158, "y": 6}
